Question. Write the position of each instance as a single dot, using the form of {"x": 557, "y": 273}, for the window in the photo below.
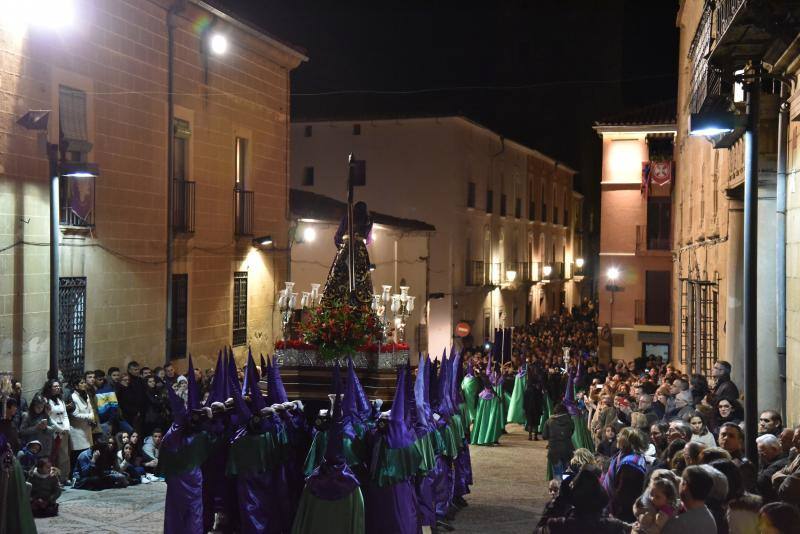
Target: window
{"x": 657, "y": 297}
{"x": 566, "y": 208}
{"x": 489, "y": 200}
{"x": 241, "y": 162}
{"x": 76, "y": 195}
{"x": 698, "y": 329}
{"x": 503, "y": 202}
{"x": 471, "y": 194}
{"x": 544, "y": 206}
{"x": 239, "y": 308}
{"x": 356, "y": 129}
{"x": 531, "y": 203}
{"x": 72, "y": 124}
{"x": 308, "y": 176}
{"x": 183, "y": 189}
{"x": 180, "y": 301}
{"x": 308, "y": 131}
{"x": 71, "y": 326}
{"x": 518, "y": 208}
{"x": 659, "y": 221}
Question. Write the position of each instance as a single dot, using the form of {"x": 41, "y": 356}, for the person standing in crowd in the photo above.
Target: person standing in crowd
{"x": 558, "y": 431}
{"x": 82, "y": 421}
{"x": 534, "y": 400}
{"x": 724, "y": 388}
{"x": 60, "y": 418}
{"x": 770, "y": 422}
{"x": 772, "y": 459}
{"x": 624, "y": 479}
{"x": 696, "y": 485}
{"x": 731, "y": 438}
{"x": 700, "y": 432}
{"x": 45, "y": 489}
{"x": 7, "y": 426}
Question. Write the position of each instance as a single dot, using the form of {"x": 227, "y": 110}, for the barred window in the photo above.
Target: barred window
{"x": 698, "y": 316}
{"x": 71, "y": 326}
{"x": 240, "y": 308}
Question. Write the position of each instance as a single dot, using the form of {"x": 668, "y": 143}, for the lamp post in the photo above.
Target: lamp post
{"x": 613, "y": 275}
{"x": 37, "y": 120}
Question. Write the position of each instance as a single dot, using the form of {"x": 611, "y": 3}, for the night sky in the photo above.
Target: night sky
{"x": 576, "y": 61}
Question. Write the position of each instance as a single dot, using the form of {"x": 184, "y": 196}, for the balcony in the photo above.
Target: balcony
{"x": 243, "y": 212}
{"x": 752, "y": 30}
{"x": 556, "y": 271}
{"x": 475, "y": 273}
{"x": 77, "y": 202}
{"x": 646, "y": 242}
{"x": 521, "y": 270}
{"x": 183, "y": 206}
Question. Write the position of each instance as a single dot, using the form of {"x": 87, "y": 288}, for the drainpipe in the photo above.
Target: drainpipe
{"x": 780, "y": 240}
{"x": 171, "y": 15}
{"x": 750, "y": 323}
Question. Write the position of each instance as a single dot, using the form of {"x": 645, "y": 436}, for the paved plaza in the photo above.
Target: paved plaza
{"x": 509, "y": 494}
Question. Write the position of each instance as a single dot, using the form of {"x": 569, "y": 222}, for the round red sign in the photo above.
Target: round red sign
{"x": 463, "y": 329}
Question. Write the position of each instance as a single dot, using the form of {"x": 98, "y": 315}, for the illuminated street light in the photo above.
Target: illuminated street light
{"x": 511, "y": 275}
{"x": 309, "y": 234}
{"x": 579, "y": 263}
{"x": 52, "y": 14}
{"x": 219, "y": 44}
{"x": 612, "y": 274}
{"x": 546, "y": 270}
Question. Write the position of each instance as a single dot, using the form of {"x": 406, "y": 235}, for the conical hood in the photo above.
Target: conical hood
{"x": 251, "y": 385}
{"x": 569, "y": 395}
{"x": 349, "y": 413}
{"x": 193, "y": 392}
{"x": 276, "y": 393}
{"x": 398, "y": 434}
{"x": 233, "y": 377}
{"x": 456, "y": 372}
{"x": 218, "y": 386}
{"x": 433, "y": 385}
{"x": 363, "y": 408}
{"x": 420, "y": 402}
{"x": 410, "y": 409}
{"x": 333, "y": 480}
{"x": 263, "y": 368}
{"x": 470, "y": 370}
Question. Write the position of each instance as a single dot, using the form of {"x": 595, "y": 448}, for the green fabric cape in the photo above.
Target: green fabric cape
{"x": 516, "y": 407}
{"x": 18, "y": 517}
{"x": 470, "y": 387}
{"x": 252, "y": 454}
{"x": 488, "y": 422}
{"x": 318, "y": 516}
{"x": 353, "y": 451}
{"x": 187, "y": 458}
{"x": 581, "y": 436}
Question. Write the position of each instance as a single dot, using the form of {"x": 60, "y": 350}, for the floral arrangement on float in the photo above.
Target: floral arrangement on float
{"x": 338, "y": 330}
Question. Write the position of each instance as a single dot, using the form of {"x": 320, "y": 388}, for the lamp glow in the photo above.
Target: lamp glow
{"x": 309, "y": 234}
{"x": 612, "y": 274}
{"x": 579, "y": 263}
{"x": 52, "y": 14}
{"x": 546, "y": 270}
{"x": 511, "y": 275}
{"x": 219, "y": 44}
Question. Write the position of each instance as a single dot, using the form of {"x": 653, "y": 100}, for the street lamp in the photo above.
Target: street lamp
{"x": 613, "y": 275}
{"x": 37, "y": 120}
{"x": 579, "y": 263}
{"x": 219, "y": 44}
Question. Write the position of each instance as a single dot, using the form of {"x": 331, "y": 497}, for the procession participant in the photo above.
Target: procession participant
{"x": 428, "y": 444}
{"x": 534, "y": 400}
{"x": 389, "y": 498}
{"x": 462, "y": 465}
{"x": 443, "y": 413}
{"x": 488, "y": 425}
{"x": 332, "y": 502}
{"x": 184, "y": 448}
{"x": 516, "y": 408}
{"x": 470, "y": 386}
{"x": 581, "y": 437}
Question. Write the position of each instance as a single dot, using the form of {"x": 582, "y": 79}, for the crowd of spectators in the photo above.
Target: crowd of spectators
{"x": 102, "y": 430}
{"x": 668, "y": 449}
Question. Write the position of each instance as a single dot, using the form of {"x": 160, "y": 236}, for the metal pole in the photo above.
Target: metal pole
{"x": 170, "y": 174}
{"x": 351, "y": 250}
{"x": 750, "y": 269}
{"x": 52, "y": 156}
{"x": 611, "y": 328}
{"x": 780, "y": 240}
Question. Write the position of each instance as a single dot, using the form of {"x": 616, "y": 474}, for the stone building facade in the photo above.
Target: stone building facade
{"x": 502, "y": 211}
{"x": 716, "y": 42}
{"x": 104, "y": 80}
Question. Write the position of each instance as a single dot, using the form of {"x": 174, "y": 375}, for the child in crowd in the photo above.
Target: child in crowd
{"x": 608, "y": 447}
{"x": 657, "y": 504}
{"x": 29, "y": 455}
{"x": 45, "y": 489}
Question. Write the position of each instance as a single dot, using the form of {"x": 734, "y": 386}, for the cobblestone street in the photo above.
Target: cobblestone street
{"x": 508, "y": 496}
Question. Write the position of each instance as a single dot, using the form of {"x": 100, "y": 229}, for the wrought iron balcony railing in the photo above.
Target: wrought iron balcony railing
{"x": 183, "y": 206}
{"x": 243, "y": 212}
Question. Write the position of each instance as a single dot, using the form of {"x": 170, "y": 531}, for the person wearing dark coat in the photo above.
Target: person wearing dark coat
{"x": 724, "y": 387}
{"x": 534, "y": 401}
{"x": 558, "y": 431}
{"x": 589, "y": 499}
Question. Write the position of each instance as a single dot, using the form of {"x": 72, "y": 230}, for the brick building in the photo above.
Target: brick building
{"x": 104, "y": 79}
{"x": 635, "y": 230}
